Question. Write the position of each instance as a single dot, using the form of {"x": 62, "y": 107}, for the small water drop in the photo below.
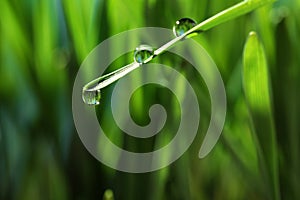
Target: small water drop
{"x": 91, "y": 97}
{"x": 182, "y": 26}
{"x": 143, "y": 54}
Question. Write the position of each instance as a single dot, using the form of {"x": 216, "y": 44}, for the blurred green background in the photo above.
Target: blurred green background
{"x": 43, "y": 43}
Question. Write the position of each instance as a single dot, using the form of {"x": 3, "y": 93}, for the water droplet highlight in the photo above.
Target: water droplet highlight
{"x": 182, "y": 26}
{"x": 143, "y": 54}
{"x": 91, "y": 97}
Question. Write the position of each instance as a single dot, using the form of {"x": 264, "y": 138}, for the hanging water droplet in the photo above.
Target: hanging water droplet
{"x": 182, "y": 26}
{"x": 143, "y": 54}
{"x": 91, "y": 97}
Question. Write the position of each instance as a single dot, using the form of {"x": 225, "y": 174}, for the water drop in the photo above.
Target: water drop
{"x": 143, "y": 54}
{"x": 91, "y": 97}
{"x": 182, "y": 26}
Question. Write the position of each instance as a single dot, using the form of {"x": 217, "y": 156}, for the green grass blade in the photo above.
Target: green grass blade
{"x": 230, "y": 13}
{"x": 258, "y": 98}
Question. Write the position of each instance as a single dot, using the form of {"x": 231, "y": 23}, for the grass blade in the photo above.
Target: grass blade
{"x": 258, "y": 98}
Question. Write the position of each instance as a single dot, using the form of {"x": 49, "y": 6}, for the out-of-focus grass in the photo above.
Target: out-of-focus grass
{"x": 258, "y": 97}
{"x": 42, "y": 44}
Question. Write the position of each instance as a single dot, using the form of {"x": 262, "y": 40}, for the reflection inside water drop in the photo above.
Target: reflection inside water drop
{"x": 143, "y": 54}
{"x": 91, "y": 97}
{"x": 182, "y": 26}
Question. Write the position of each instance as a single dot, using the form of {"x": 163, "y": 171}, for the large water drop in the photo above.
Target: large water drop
{"x": 182, "y": 26}
{"x": 143, "y": 54}
{"x": 91, "y": 97}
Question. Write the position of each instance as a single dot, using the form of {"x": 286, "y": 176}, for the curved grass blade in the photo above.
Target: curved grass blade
{"x": 258, "y": 98}
{"x": 223, "y": 16}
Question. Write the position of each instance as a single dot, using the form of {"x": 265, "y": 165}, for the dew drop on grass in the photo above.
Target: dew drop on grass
{"x": 143, "y": 54}
{"x": 91, "y": 97}
{"x": 183, "y": 25}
